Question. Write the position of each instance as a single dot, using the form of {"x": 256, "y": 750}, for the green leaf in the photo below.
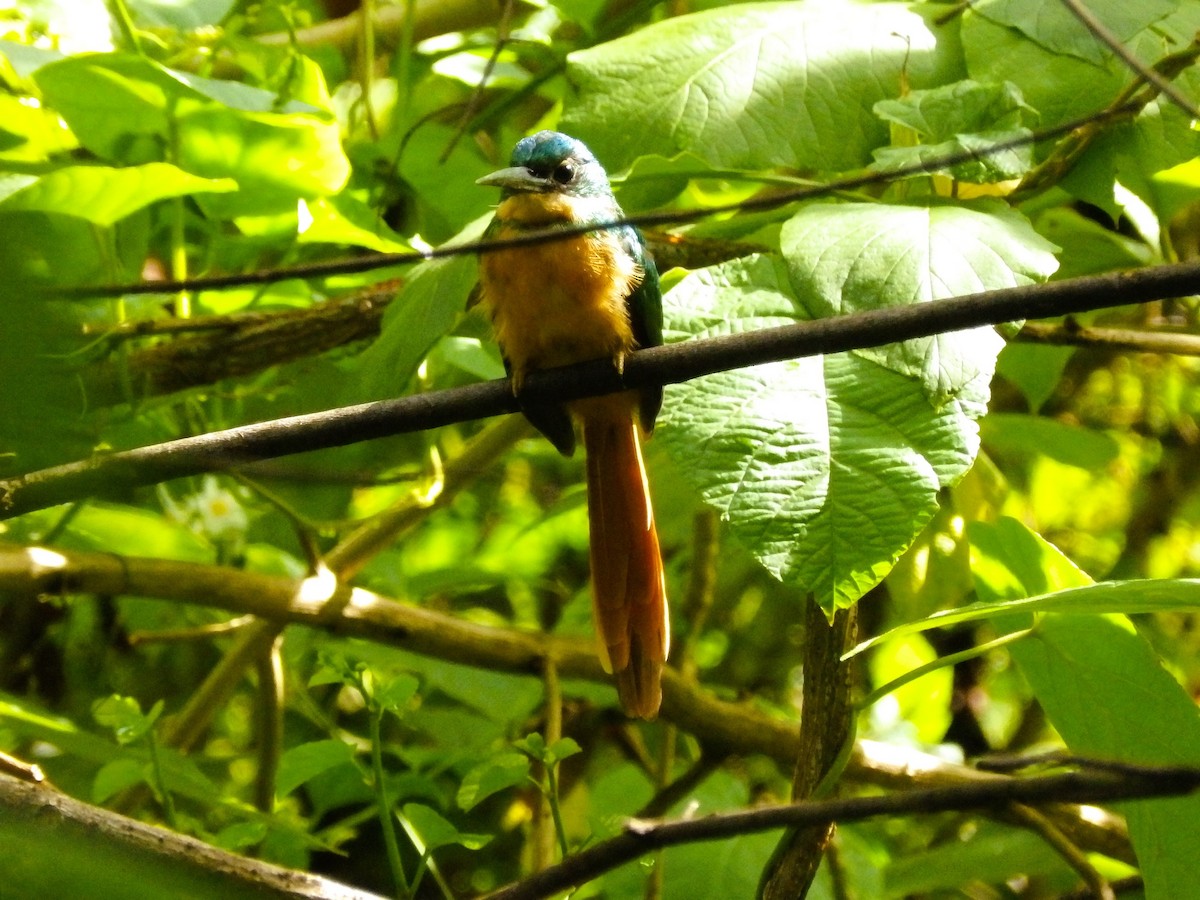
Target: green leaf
{"x": 490, "y": 777}
{"x": 989, "y": 165}
{"x": 31, "y": 133}
{"x": 1009, "y": 560}
{"x": 561, "y": 749}
{"x": 991, "y": 854}
{"x": 436, "y": 831}
{"x": 1087, "y": 246}
{"x": 1059, "y": 85}
{"x": 125, "y": 717}
{"x": 304, "y": 762}
{"x": 1148, "y": 595}
{"x": 962, "y": 117}
{"x": 712, "y": 870}
{"x": 393, "y": 695}
{"x": 182, "y": 14}
{"x": 827, "y": 468}
{"x": 115, "y": 777}
{"x": 755, "y": 85}
{"x": 1053, "y": 26}
{"x": 1032, "y": 435}
{"x": 534, "y": 745}
{"x": 285, "y": 156}
{"x": 104, "y": 195}
{"x": 241, "y": 836}
{"x": 1109, "y": 697}
{"x": 343, "y": 220}
{"x": 126, "y": 108}
{"x": 963, "y": 107}
{"x": 845, "y": 258}
{"x": 26, "y": 60}
{"x": 432, "y": 299}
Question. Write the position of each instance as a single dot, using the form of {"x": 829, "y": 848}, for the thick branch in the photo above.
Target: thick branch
{"x": 55, "y": 843}
{"x": 669, "y": 364}
{"x": 640, "y": 838}
{"x": 243, "y": 345}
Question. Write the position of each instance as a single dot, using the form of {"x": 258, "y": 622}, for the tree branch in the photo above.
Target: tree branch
{"x": 1144, "y": 72}
{"x": 722, "y": 728}
{"x": 669, "y": 364}
{"x": 641, "y": 837}
{"x": 774, "y": 200}
{"x": 1072, "y": 333}
{"x": 62, "y": 843}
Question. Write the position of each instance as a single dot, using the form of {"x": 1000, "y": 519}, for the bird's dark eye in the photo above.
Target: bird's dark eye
{"x": 564, "y": 173}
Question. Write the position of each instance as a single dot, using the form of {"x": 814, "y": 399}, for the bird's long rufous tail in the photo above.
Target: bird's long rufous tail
{"x": 629, "y": 597}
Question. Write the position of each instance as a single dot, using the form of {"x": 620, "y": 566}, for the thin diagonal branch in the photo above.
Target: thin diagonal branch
{"x": 669, "y": 364}
{"x": 1143, "y": 71}
{"x": 640, "y": 838}
{"x": 643, "y": 220}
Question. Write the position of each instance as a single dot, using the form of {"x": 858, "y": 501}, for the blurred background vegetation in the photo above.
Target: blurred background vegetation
{"x": 143, "y": 140}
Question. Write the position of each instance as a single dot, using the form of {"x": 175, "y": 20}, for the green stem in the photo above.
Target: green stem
{"x": 179, "y": 261}
{"x": 160, "y": 782}
{"x": 941, "y": 662}
{"x": 552, "y": 796}
{"x": 404, "y": 68}
{"x": 368, "y": 65}
{"x": 120, "y": 12}
{"x": 386, "y": 821}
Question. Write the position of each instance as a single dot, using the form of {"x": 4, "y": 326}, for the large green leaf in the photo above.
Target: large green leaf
{"x": 756, "y": 85}
{"x": 1107, "y": 694}
{"x": 128, "y": 109}
{"x": 1057, "y": 82}
{"x": 1053, "y": 26}
{"x": 845, "y": 258}
{"x": 826, "y": 467}
{"x": 104, "y": 195}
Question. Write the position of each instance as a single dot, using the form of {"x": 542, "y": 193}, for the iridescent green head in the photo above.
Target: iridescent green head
{"x": 550, "y": 162}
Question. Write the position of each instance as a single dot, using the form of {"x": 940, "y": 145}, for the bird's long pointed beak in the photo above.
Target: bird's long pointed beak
{"x": 514, "y": 178}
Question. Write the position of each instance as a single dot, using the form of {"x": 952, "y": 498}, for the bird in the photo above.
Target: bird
{"x": 587, "y": 296}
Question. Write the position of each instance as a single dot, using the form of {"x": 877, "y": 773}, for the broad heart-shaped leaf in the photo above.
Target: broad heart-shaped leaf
{"x": 104, "y": 195}
{"x": 756, "y": 85}
{"x": 844, "y": 258}
{"x": 825, "y": 467}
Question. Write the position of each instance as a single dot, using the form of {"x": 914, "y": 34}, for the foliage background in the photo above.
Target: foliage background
{"x": 144, "y": 140}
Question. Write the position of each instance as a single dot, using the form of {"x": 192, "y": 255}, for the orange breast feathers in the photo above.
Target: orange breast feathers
{"x": 561, "y": 302}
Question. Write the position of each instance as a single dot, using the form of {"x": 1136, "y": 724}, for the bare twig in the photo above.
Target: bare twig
{"x": 1034, "y": 820}
{"x": 669, "y": 364}
{"x": 773, "y": 200}
{"x": 641, "y": 837}
{"x": 1143, "y": 71}
{"x": 1072, "y": 333}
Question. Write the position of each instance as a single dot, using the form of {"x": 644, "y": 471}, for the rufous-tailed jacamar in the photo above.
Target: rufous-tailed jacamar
{"x": 588, "y": 296}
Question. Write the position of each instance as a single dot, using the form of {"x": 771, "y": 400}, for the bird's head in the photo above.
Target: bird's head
{"x": 550, "y": 162}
